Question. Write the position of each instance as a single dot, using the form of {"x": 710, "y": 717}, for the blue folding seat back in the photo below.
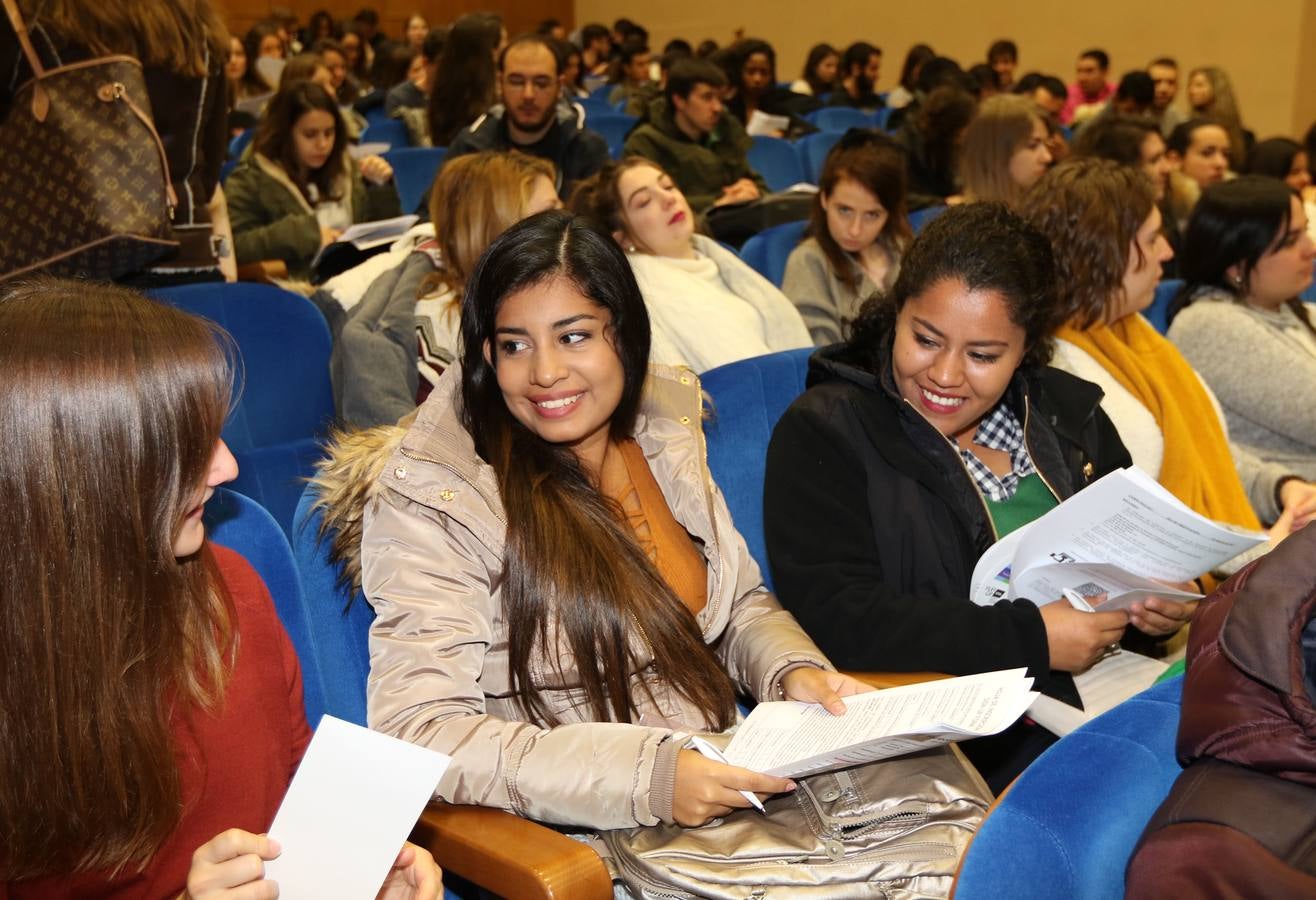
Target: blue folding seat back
{"x": 813, "y": 150}
{"x": 882, "y": 118}
{"x": 285, "y": 401}
{"x": 613, "y": 126}
{"x": 390, "y": 131}
{"x": 376, "y": 114}
{"x": 414, "y": 169}
{"x": 767, "y": 251}
{"x": 746, "y": 399}
{"x": 920, "y": 217}
{"x": 340, "y": 631}
{"x": 842, "y": 118}
{"x": 1159, "y": 311}
{"x": 777, "y": 161}
{"x": 1066, "y": 828}
{"x": 242, "y": 525}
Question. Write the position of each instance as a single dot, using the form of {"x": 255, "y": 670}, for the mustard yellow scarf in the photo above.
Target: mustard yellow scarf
{"x": 1197, "y": 467}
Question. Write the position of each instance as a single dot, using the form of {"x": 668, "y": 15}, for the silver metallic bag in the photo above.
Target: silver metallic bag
{"x": 894, "y": 829}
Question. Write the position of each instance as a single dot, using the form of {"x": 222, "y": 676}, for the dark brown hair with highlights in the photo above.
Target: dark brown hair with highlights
{"x": 1091, "y": 209}
{"x": 110, "y": 411}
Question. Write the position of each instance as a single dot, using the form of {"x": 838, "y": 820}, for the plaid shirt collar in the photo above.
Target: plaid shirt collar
{"x": 999, "y": 430}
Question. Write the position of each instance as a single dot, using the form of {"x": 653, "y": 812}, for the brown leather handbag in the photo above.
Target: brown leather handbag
{"x": 84, "y": 183}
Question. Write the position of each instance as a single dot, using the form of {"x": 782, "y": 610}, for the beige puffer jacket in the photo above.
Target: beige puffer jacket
{"x": 431, "y": 566}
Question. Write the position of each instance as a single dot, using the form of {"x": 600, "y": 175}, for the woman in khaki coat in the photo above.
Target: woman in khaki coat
{"x": 550, "y": 504}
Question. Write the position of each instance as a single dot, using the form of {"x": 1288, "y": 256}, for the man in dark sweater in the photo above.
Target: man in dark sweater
{"x": 531, "y": 118}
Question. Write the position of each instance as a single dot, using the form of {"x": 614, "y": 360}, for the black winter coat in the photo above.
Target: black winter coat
{"x": 874, "y": 525}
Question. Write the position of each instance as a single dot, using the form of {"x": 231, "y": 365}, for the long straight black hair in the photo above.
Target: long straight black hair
{"x": 574, "y": 574}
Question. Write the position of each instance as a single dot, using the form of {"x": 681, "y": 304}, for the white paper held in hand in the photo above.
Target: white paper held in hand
{"x": 355, "y": 798}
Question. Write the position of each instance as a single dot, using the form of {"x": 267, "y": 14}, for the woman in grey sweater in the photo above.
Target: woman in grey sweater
{"x": 858, "y": 231}
{"x": 1247, "y": 255}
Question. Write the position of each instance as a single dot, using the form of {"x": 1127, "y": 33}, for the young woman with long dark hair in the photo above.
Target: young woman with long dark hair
{"x": 560, "y": 594}
{"x": 1239, "y": 321}
{"x": 151, "y": 706}
{"x": 819, "y": 76}
{"x": 298, "y": 188}
{"x": 465, "y": 82}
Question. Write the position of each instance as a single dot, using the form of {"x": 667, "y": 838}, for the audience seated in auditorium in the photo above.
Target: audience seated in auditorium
{"x": 1164, "y": 72}
{"x": 857, "y": 232}
{"x": 531, "y": 118}
{"x": 413, "y": 93}
{"x": 244, "y": 81}
{"x": 1199, "y": 151}
{"x": 1290, "y": 162}
{"x": 1003, "y": 57}
{"x": 634, "y": 87}
{"x": 861, "y": 64}
{"x": 1132, "y": 142}
{"x": 754, "y": 89}
{"x": 467, "y": 74}
{"x": 404, "y": 331}
{"x": 913, "y": 449}
{"x": 359, "y": 56}
{"x": 182, "y": 56}
{"x": 1090, "y": 88}
{"x": 297, "y": 188}
{"x": 687, "y": 133}
{"x": 595, "y": 49}
{"x": 903, "y": 93}
{"x": 1105, "y": 230}
{"x": 417, "y": 29}
{"x": 1004, "y": 151}
{"x": 1134, "y": 96}
{"x": 932, "y": 138}
{"x": 819, "y": 76}
{"x": 496, "y": 513}
{"x": 153, "y": 765}
{"x": 706, "y": 306}
{"x": 321, "y": 25}
{"x": 1211, "y": 96}
{"x": 1239, "y": 322}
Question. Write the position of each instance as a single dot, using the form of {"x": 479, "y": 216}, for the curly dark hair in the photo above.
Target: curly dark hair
{"x": 987, "y": 247}
{"x": 1091, "y": 209}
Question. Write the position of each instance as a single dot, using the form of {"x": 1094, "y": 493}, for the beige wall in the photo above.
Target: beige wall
{"x": 1257, "y": 43}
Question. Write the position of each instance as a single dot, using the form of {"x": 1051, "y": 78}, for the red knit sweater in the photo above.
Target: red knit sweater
{"x": 235, "y": 763}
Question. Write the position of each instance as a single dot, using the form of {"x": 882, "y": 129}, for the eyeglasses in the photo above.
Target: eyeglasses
{"x": 541, "y": 83}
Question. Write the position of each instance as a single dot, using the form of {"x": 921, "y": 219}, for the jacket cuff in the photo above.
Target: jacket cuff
{"x": 768, "y": 689}
{"x": 662, "y": 783}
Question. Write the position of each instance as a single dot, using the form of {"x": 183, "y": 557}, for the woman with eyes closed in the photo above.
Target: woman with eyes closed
{"x": 707, "y": 307}
{"x": 856, "y": 234}
{"x": 550, "y": 504}
{"x": 933, "y": 431}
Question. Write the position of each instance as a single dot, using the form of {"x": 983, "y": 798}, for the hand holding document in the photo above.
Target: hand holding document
{"x": 1114, "y": 543}
{"x": 349, "y": 809}
{"x": 791, "y": 739}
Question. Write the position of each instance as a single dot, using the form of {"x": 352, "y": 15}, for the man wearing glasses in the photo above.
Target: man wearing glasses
{"x": 531, "y": 118}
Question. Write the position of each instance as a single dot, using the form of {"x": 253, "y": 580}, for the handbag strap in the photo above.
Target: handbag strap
{"x": 20, "y": 28}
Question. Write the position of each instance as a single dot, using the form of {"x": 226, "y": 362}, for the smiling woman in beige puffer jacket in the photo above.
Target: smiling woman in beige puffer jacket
{"x": 550, "y": 505}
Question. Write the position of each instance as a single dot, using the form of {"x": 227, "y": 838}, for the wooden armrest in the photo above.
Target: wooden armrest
{"x": 881, "y": 680}
{"x": 511, "y": 856}
{"x": 264, "y": 271}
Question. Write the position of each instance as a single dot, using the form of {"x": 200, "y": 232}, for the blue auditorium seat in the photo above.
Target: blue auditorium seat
{"x": 414, "y": 169}
{"x": 920, "y": 217}
{"x": 390, "y": 131}
{"x": 776, "y": 160}
{"x": 813, "y": 150}
{"x": 614, "y": 127}
{"x": 766, "y": 252}
{"x": 842, "y": 118}
{"x": 1158, "y": 312}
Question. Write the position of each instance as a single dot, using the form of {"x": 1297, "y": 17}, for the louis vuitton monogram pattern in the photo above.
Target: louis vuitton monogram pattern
{"x": 84, "y": 191}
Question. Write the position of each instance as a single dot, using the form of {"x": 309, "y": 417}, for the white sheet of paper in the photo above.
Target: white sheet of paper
{"x": 1103, "y": 687}
{"x": 351, "y": 805}
{"x": 791, "y": 739}
{"x": 761, "y": 123}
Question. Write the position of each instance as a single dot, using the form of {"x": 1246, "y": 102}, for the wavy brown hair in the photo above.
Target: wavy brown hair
{"x": 173, "y": 34}
{"x": 1003, "y": 125}
{"x": 110, "y": 410}
{"x": 1091, "y": 209}
{"x": 274, "y": 139}
{"x": 574, "y": 575}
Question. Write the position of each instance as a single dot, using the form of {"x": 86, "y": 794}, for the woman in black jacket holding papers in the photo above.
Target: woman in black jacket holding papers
{"x": 935, "y": 430}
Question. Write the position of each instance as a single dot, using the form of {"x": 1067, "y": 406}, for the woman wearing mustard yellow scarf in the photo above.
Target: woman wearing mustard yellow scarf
{"x": 1105, "y": 231}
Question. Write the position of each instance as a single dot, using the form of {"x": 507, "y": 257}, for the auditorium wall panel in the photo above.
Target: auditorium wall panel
{"x": 1259, "y": 44}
